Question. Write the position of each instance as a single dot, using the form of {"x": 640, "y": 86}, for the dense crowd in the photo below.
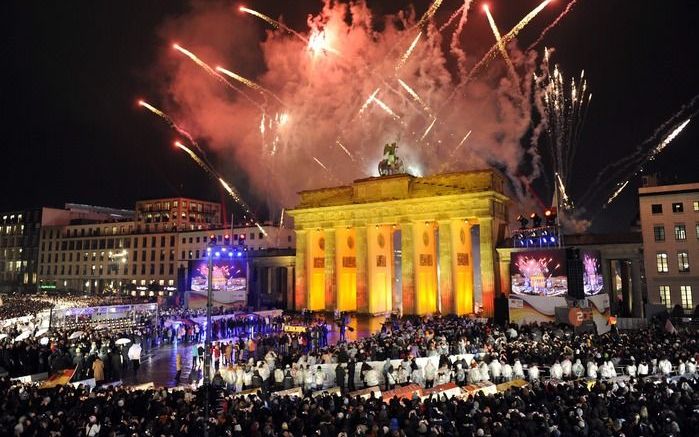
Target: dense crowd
{"x": 658, "y": 394}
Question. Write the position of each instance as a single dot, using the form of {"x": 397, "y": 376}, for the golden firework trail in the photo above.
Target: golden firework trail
{"x": 427, "y": 16}
{"x": 320, "y": 163}
{"x": 501, "y": 46}
{"x": 175, "y": 127}
{"x": 274, "y": 23}
{"x": 618, "y": 191}
{"x": 429, "y": 128}
{"x": 206, "y": 67}
{"x": 509, "y": 36}
{"x": 236, "y": 196}
{"x": 250, "y": 84}
{"x": 562, "y": 188}
{"x": 368, "y": 101}
{"x": 406, "y": 55}
{"x": 385, "y": 107}
{"x": 668, "y": 139}
{"x": 463, "y": 140}
{"x": 195, "y": 158}
{"x": 344, "y": 149}
{"x": 415, "y": 96}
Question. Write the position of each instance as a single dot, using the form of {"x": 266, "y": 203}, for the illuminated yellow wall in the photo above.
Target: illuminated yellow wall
{"x": 346, "y": 268}
{"x": 315, "y": 264}
{"x": 425, "y": 268}
{"x": 380, "y": 263}
{"x": 462, "y": 266}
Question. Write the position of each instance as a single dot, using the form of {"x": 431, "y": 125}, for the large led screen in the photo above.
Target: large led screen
{"x": 229, "y": 279}
{"x": 539, "y": 272}
{"x": 593, "y": 280}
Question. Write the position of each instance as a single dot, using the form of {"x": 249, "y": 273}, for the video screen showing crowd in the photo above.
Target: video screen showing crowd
{"x": 308, "y": 374}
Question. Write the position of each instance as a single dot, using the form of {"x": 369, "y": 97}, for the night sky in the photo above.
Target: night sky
{"x": 73, "y": 71}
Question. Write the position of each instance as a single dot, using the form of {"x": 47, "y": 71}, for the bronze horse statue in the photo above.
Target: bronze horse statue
{"x": 390, "y": 164}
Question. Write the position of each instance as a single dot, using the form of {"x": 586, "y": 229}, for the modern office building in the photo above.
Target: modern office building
{"x": 20, "y": 237}
{"x": 149, "y": 251}
{"x": 670, "y": 229}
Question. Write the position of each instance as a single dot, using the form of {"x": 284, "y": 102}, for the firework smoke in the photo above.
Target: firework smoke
{"x": 326, "y": 110}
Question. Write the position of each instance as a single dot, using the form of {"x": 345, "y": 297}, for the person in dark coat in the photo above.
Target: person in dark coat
{"x": 351, "y": 369}
{"x": 340, "y": 376}
{"x": 116, "y": 365}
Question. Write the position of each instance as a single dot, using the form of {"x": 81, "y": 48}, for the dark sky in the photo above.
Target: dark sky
{"x": 73, "y": 70}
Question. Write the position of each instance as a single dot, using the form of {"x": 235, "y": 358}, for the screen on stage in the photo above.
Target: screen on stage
{"x": 592, "y": 271}
{"x": 540, "y": 272}
{"x": 229, "y": 276}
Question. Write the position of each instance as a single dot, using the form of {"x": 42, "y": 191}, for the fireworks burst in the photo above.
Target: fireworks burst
{"x": 406, "y": 55}
{"x": 325, "y": 97}
{"x": 563, "y": 105}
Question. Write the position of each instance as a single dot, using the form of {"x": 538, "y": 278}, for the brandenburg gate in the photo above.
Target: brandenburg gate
{"x": 399, "y": 243}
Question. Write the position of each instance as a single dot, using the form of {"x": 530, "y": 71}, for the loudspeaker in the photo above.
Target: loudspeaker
{"x": 574, "y": 271}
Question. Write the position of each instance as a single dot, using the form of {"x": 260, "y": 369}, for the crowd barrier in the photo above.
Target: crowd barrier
{"x": 631, "y": 323}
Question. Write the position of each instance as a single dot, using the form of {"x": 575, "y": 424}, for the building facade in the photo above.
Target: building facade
{"x": 115, "y": 252}
{"x": 20, "y": 235}
{"x": 150, "y": 253}
{"x": 670, "y": 230}
{"x": 400, "y": 244}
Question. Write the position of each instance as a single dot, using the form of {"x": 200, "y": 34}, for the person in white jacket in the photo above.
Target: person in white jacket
{"x": 578, "y": 369}
{"x": 135, "y": 357}
{"x": 239, "y": 376}
{"x": 309, "y": 379}
{"x": 604, "y": 371}
{"x": 592, "y": 369}
{"x": 485, "y": 371}
{"x": 430, "y": 374}
{"x": 556, "y": 371}
{"x": 507, "y": 372}
{"x": 371, "y": 378}
{"x": 496, "y": 370}
{"x": 692, "y": 366}
{"x": 319, "y": 378}
{"x": 643, "y": 369}
{"x": 566, "y": 368}
{"x": 533, "y": 372}
{"x": 681, "y": 368}
{"x": 665, "y": 366}
{"x": 278, "y": 377}
{"x": 518, "y": 370}
{"x": 631, "y": 368}
{"x": 474, "y": 374}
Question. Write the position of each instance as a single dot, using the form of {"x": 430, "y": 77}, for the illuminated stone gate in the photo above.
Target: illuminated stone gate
{"x": 399, "y": 243}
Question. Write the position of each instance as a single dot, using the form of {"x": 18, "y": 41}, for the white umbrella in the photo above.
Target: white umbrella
{"x": 76, "y": 334}
{"x": 101, "y": 326}
{"x": 123, "y": 341}
{"x": 23, "y": 336}
{"x": 3, "y": 336}
{"x": 44, "y": 341}
{"x": 41, "y": 332}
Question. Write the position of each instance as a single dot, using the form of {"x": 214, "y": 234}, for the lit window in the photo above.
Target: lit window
{"x": 677, "y": 207}
{"x": 659, "y": 233}
{"x": 695, "y": 206}
{"x": 686, "y": 296}
{"x": 696, "y": 230}
{"x": 683, "y": 261}
{"x": 661, "y": 262}
{"x": 680, "y": 232}
{"x": 656, "y": 208}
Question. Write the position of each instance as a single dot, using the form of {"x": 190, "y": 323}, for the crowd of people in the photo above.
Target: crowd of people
{"x": 574, "y": 385}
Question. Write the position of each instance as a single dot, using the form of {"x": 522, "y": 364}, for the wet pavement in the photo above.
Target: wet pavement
{"x": 158, "y": 365}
